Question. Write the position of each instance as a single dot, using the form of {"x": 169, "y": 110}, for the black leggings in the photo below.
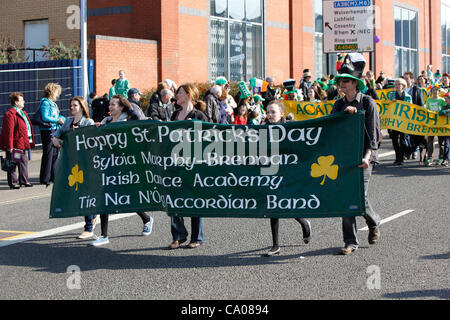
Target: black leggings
{"x": 104, "y": 219}
{"x": 275, "y": 225}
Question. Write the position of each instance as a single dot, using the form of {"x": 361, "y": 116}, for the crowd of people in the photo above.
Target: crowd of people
{"x": 171, "y": 102}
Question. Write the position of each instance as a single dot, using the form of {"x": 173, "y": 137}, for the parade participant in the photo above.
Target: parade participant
{"x": 435, "y": 104}
{"x": 380, "y": 81}
{"x": 437, "y": 76}
{"x": 163, "y": 111}
{"x": 212, "y": 101}
{"x": 172, "y": 85}
{"x": 413, "y": 141}
{"x": 312, "y": 97}
{"x": 319, "y": 92}
{"x": 241, "y": 116}
{"x": 122, "y": 85}
{"x": 17, "y": 139}
{"x": 112, "y": 90}
{"x": 259, "y": 101}
{"x": 100, "y": 108}
{"x": 399, "y": 138}
{"x": 350, "y": 82}
{"x": 305, "y": 83}
{"x": 291, "y": 93}
{"x": 134, "y": 97}
{"x": 445, "y": 83}
{"x": 80, "y": 118}
{"x": 155, "y": 100}
{"x": 120, "y": 110}
{"x": 370, "y": 77}
{"x": 189, "y": 107}
{"x": 254, "y": 116}
{"x": 446, "y": 112}
{"x": 271, "y": 93}
{"x": 244, "y": 97}
{"x": 429, "y": 73}
{"x": 227, "y": 106}
{"x": 275, "y": 115}
{"x": 49, "y": 113}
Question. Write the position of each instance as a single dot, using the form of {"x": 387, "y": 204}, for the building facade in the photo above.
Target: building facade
{"x": 199, "y": 40}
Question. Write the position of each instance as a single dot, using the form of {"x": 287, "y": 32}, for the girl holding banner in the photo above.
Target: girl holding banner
{"x": 399, "y": 138}
{"x": 81, "y": 118}
{"x": 120, "y": 110}
{"x": 188, "y": 108}
{"x": 275, "y": 115}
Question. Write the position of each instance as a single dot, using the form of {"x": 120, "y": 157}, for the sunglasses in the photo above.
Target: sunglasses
{"x": 345, "y": 80}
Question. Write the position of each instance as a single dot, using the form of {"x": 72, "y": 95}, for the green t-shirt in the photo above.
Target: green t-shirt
{"x": 122, "y": 87}
{"x": 436, "y": 105}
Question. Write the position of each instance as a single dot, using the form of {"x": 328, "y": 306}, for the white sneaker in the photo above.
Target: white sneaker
{"x": 86, "y": 235}
{"x": 147, "y": 228}
{"x": 100, "y": 241}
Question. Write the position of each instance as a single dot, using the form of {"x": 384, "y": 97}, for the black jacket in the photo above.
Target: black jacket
{"x": 372, "y": 130}
{"x": 194, "y": 114}
{"x": 155, "y": 100}
{"x": 416, "y": 95}
{"x": 212, "y": 108}
{"x": 161, "y": 113}
{"x": 100, "y": 108}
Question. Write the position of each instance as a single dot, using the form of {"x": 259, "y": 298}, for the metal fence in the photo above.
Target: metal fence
{"x": 31, "y": 78}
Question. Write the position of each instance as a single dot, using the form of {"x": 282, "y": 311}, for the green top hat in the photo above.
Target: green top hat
{"x": 245, "y": 93}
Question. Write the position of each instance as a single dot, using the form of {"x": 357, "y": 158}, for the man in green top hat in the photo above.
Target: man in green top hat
{"x": 352, "y": 102}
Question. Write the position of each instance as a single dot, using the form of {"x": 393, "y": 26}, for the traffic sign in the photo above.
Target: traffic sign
{"x": 348, "y": 26}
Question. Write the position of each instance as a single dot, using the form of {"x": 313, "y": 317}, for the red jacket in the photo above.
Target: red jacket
{"x": 14, "y": 131}
{"x": 240, "y": 120}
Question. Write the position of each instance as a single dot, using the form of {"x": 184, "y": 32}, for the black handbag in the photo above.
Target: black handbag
{"x": 7, "y": 165}
{"x": 36, "y": 120}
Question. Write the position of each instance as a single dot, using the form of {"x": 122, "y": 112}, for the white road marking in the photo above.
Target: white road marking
{"x": 387, "y": 154}
{"x": 59, "y": 230}
{"x": 395, "y": 216}
{"x": 25, "y": 199}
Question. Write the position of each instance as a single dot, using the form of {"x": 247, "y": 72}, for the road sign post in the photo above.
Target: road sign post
{"x": 348, "y": 26}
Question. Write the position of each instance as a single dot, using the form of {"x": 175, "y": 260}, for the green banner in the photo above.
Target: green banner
{"x": 197, "y": 169}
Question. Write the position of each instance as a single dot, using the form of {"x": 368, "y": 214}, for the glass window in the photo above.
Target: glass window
{"x": 445, "y": 35}
{"x": 398, "y": 26}
{"x": 318, "y": 17}
{"x": 36, "y": 36}
{"x": 254, "y": 47}
{"x": 219, "y": 35}
{"x": 219, "y": 8}
{"x": 236, "y": 9}
{"x": 237, "y": 47}
{"x": 253, "y": 10}
{"x": 406, "y": 41}
{"x": 405, "y": 28}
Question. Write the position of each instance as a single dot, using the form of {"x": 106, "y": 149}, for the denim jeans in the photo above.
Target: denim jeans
{"x": 89, "y": 226}
{"x": 371, "y": 217}
{"x": 179, "y": 231}
{"x": 446, "y": 148}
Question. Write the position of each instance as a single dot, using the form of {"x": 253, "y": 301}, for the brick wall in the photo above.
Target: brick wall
{"x": 14, "y": 13}
{"x": 138, "y": 58}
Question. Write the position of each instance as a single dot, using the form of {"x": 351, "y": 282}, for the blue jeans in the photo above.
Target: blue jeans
{"x": 179, "y": 231}
{"x": 446, "y": 148}
{"x": 371, "y": 217}
{"x": 89, "y": 226}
